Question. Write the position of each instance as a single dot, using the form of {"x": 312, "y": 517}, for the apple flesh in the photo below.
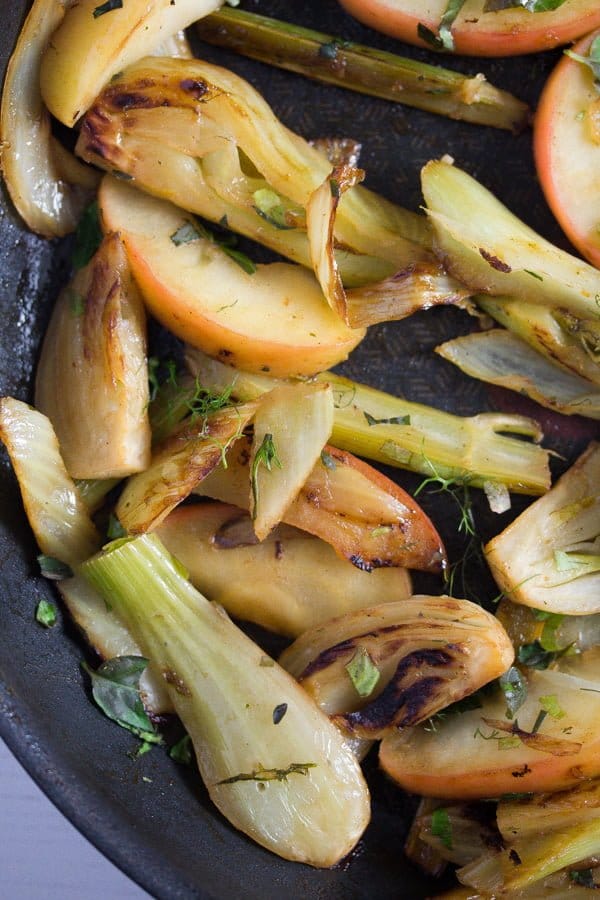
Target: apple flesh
{"x": 508, "y": 32}
{"x": 567, "y": 150}
{"x": 275, "y": 320}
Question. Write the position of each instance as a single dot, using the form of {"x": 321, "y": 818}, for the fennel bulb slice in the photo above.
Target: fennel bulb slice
{"x": 273, "y": 763}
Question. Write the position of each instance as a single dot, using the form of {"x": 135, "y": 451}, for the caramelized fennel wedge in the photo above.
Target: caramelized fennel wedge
{"x": 64, "y": 530}
{"x": 428, "y": 652}
{"x": 95, "y": 346}
{"x": 314, "y": 804}
{"x": 288, "y": 583}
{"x": 472, "y": 450}
{"x": 462, "y": 757}
{"x": 549, "y": 557}
{"x": 366, "y": 517}
{"x": 71, "y": 75}
{"x": 178, "y": 465}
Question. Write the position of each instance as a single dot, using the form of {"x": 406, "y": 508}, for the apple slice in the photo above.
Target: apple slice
{"x": 468, "y": 755}
{"x": 274, "y": 320}
{"x": 506, "y": 32}
{"x": 567, "y": 150}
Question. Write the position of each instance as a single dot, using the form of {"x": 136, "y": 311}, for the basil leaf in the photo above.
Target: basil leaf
{"x": 116, "y": 690}
{"x": 45, "y": 613}
{"x": 514, "y": 688}
{"x": 441, "y": 827}
{"x": 363, "y": 672}
{"x": 183, "y": 751}
{"x": 88, "y": 236}
{"x": 54, "y": 569}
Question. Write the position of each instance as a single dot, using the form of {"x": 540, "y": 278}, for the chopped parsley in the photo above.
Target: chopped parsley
{"x": 363, "y": 672}
{"x": 183, "y": 752}
{"x": 45, "y": 614}
{"x": 441, "y": 827}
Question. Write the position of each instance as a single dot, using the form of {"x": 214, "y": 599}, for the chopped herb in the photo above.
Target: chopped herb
{"x": 88, "y": 236}
{"x": 45, "y": 613}
{"x": 532, "y": 6}
{"x": 124, "y": 176}
{"x": 243, "y": 261}
{"x": 514, "y": 688}
{"x": 363, "y": 672}
{"x": 584, "y": 877}
{"x": 54, "y": 569}
{"x": 441, "y": 827}
{"x": 183, "y": 752}
{"x": 114, "y": 529}
{"x": 538, "y": 722}
{"x": 535, "y": 656}
{"x": 334, "y": 187}
{"x": 443, "y": 40}
{"x": 262, "y": 774}
{"x": 330, "y": 49}
{"x": 393, "y": 420}
{"x": 116, "y": 690}
{"x": 592, "y": 59}
{"x": 533, "y": 274}
{"x": 550, "y": 704}
{"x": 328, "y": 460}
{"x": 107, "y": 7}
{"x": 144, "y": 748}
{"x": 154, "y": 383}
{"x": 186, "y": 234}
{"x": 269, "y": 206}
{"x": 266, "y": 456}
{"x": 279, "y": 712}
{"x": 509, "y": 743}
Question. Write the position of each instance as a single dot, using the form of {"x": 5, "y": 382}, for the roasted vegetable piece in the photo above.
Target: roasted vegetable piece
{"x": 178, "y": 465}
{"x": 65, "y": 533}
{"x": 95, "y": 346}
{"x": 396, "y": 665}
{"x": 363, "y": 69}
{"x": 482, "y": 753}
{"x": 549, "y": 557}
{"x": 217, "y": 148}
{"x": 493, "y": 252}
{"x": 48, "y": 186}
{"x": 396, "y": 432}
{"x": 288, "y": 781}
{"x": 266, "y": 318}
{"x": 288, "y": 583}
{"x": 366, "y": 517}
{"x": 500, "y": 357}
{"x": 71, "y": 75}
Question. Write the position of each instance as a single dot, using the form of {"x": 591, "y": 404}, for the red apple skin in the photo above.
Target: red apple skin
{"x": 506, "y": 33}
{"x": 566, "y": 157}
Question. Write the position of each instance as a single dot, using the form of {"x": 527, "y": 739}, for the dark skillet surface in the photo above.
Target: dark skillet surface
{"x": 163, "y": 831}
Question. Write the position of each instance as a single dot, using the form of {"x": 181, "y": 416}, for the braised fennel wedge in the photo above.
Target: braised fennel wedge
{"x": 273, "y": 764}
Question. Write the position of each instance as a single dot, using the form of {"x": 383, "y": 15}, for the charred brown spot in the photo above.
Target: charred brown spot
{"x": 225, "y": 353}
{"x": 520, "y": 773}
{"x": 514, "y": 857}
{"x": 197, "y": 89}
{"x": 130, "y": 100}
{"x": 176, "y": 681}
{"x": 361, "y": 563}
{"x": 278, "y": 550}
{"x": 495, "y": 262}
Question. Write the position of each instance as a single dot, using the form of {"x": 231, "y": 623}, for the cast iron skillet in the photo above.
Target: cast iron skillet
{"x": 148, "y": 815}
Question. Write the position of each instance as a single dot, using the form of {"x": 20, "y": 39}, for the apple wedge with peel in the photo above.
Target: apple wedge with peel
{"x": 567, "y": 148}
{"x": 273, "y": 319}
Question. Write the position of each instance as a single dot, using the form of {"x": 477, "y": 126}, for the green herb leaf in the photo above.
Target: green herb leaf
{"x": 54, "y": 569}
{"x": 363, "y": 672}
{"x": 549, "y": 638}
{"x": 107, "y": 7}
{"x": 538, "y": 722}
{"x": 183, "y": 751}
{"x": 266, "y": 456}
{"x": 446, "y": 22}
{"x": 514, "y": 688}
{"x": 116, "y": 690}
{"x": 88, "y": 236}
{"x": 243, "y": 261}
{"x": 584, "y": 877}
{"x": 550, "y": 705}
{"x": 534, "y": 656}
{"x": 441, "y": 827}
{"x": 45, "y": 613}
{"x": 533, "y": 6}
{"x": 269, "y": 206}
{"x": 330, "y": 49}
{"x": 328, "y": 460}
{"x": 262, "y": 774}
{"x": 592, "y": 59}
{"x": 114, "y": 529}
{"x": 186, "y": 234}
{"x": 393, "y": 420}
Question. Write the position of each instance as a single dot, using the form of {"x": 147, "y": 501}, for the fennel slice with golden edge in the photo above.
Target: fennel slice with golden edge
{"x": 64, "y": 531}
{"x": 291, "y": 426}
{"x": 48, "y": 198}
{"x": 424, "y": 653}
{"x": 178, "y": 465}
{"x": 366, "y": 517}
{"x": 492, "y": 251}
{"x": 500, "y": 357}
{"x": 549, "y": 557}
{"x": 472, "y": 450}
{"x": 482, "y": 753}
{"x": 72, "y": 75}
{"x": 95, "y": 346}
{"x": 273, "y": 764}
{"x": 287, "y": 583}
{"x": 273, "y": 320}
